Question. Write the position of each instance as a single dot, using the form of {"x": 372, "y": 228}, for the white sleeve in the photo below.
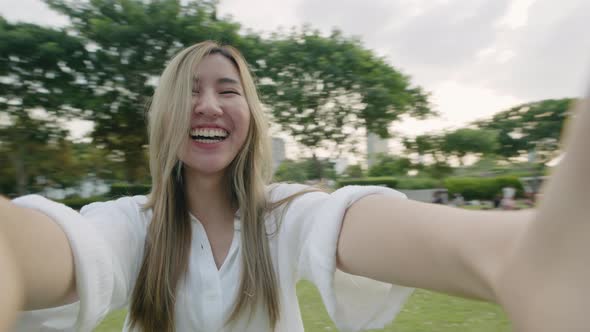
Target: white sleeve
{"x": 107, "y": 243}
{"x": 354, "y": 303}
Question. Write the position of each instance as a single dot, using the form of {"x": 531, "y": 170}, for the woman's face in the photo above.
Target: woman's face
{"x": 220, "y": 117}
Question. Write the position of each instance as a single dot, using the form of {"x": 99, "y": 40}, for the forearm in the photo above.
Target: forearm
{"x": 567, "y": 194}
{"x": 429, "y": 246}
{"x": 42, "y": 256}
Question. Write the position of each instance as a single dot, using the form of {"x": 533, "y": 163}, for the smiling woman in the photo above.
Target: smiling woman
{"x": 215, "y": 247}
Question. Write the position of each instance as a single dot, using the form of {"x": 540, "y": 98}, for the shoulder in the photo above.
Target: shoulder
{"x": 124, "y": 203}
{"x": 281, "y": 190}
{"x": 277, "y": 192}
{"x": 129, "y": 208}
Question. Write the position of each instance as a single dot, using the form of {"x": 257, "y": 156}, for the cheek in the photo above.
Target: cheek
{"x": 241, "y": 119}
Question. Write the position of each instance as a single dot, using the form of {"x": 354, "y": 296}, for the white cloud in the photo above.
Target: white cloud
{"x": 517, "y": 14}
{"x": 31, "y": 11}
{"x": 459, "y": 104}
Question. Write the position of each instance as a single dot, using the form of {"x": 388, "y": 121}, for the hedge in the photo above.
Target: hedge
{"x": 77, "y": 203}
{"x": 482, "y": 188}
{"x": 386, "y": 181}
{"x": 126, "y": 189}
{"x": 418, "y": 183}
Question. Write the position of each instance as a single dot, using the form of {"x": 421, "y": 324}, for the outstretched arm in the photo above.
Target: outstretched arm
{"x": 35, "y": 259}
{"x": 548, "y": 276}
{"x": 533, "y": 263}
{"x": 10, "y": 286}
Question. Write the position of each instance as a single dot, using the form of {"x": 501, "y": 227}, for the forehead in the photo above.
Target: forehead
{"x": 215, "y": 66}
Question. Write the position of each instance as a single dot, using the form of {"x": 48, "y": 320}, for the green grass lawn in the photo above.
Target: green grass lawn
{"x": 424, "y": 312}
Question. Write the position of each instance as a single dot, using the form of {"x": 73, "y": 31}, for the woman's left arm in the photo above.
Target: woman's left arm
{"x": 534, "y": 263}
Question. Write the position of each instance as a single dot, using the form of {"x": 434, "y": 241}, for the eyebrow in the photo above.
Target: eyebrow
{"x": 227, "y": 80}
{"x": 223, "y": 80}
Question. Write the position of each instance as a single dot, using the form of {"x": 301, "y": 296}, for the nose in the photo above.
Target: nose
{"x": 206, "y": 104}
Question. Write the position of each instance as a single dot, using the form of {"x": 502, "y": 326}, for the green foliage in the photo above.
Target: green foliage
{"x": 77, "y": 203}
{"x": 413, "y": 183}
{"x": 304, "y": 170}
{"x": 41, "y": 80}
{"x": 537, "y": 125}
{"x": 41, "y": 69}
{"x": 127, "y": 189}
{"x": 465, "y": 140}
{"x": 290, "y": 171}
{"x": 426, "y": 145}
{"x": 387, "y": 165}
{"x": 131, "y": 40}
{"x": 353, "y": 171}
{"x": 438, "y": 170}
{"x": 317, "y": 85}
{"x": 386, "y": 181}
{"x": 482, "y": 188}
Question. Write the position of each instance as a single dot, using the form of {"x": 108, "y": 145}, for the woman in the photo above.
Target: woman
{"x": 212, "y": 248}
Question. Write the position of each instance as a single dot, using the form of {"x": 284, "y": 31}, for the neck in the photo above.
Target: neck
{"x": 208, "y": 196}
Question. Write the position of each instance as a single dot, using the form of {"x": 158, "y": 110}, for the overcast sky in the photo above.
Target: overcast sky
{"x": 476, "y": 57}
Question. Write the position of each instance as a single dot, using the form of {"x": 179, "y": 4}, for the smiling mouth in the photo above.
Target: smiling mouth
{"x": 208, "y": 135}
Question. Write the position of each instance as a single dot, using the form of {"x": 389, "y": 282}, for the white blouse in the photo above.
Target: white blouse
{"x": 107, "y": 240}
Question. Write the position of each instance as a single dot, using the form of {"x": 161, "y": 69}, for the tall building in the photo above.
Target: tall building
{"x": 375, "y": 146}
{"x": 278, "y": 152}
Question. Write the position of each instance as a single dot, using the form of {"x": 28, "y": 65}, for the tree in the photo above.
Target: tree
{"x": 353, "y": 171}
{"x": 387, "y": 165}
{"x": 304, "y": 170}
{"x": 290, "y": 171}
{"x": 531, "y": 126}
{"x": 130, "y": 41}
{"x": 466, "y": 140}
{"x": 320, "y": 89}
{"x": 41, "y": 70}
{"x": 426, "y": 145}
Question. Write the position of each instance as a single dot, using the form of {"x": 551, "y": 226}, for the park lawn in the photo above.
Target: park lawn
{"x": 424, "y": 312}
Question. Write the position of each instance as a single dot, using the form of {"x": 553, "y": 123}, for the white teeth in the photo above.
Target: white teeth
{"x": 210, "y": 141}
{"x": 209, "y": 132}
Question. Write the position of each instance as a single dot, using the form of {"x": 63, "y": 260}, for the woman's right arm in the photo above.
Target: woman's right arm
{"x": 36, "y": 262}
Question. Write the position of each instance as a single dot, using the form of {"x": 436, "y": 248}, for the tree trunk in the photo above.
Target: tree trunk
{"x": 318, "y": 166}
{"x": 22, "y": 178}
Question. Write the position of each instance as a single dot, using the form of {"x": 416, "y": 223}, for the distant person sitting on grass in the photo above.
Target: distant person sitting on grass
{"x": 214, "y": 247}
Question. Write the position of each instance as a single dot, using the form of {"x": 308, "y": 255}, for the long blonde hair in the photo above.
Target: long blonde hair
{"x": 168, "y": 240}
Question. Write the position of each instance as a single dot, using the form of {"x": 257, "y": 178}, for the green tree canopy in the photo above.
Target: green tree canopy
{"x": 387, "y": 165}
{"x": 466, "y": 140}
{"x": 317, "y": 87}
{"x": 130, "y": 42}
{"x": 41, "y": 78}
{"x": 537, "y": 125}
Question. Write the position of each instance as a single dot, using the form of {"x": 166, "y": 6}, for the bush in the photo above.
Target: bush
{"x": 386, "y": 181}
{"x": 77, "y": 203}
{"x": 418, "y": 183}
{"x": 482, "y": 188}
{"x": 126, "y": 189}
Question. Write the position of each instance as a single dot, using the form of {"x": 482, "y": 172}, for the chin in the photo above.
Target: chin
{"x": 211, "y": 167}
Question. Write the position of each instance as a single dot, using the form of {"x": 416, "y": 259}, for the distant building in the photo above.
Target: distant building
{"x": 278, "y": 152}
{"x": 375, "y": 146}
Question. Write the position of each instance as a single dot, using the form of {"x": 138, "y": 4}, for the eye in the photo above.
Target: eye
{"x": 227, "y": 92}
{"x": 195, "y": 92}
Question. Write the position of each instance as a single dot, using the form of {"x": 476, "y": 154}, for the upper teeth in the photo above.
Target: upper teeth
{"x": 209, "y": 132}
